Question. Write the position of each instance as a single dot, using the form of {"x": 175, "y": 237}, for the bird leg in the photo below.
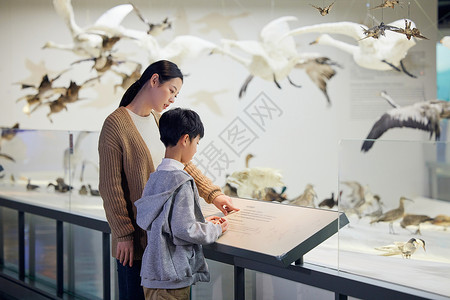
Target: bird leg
{"x": 294, "y": 84}
{"x": 394, "y": 67}
{"x": 276, "y": 82}
{"x": 405, "y": 71}
{"x": 391, "y": 228}
{"x": 244, "y": 86}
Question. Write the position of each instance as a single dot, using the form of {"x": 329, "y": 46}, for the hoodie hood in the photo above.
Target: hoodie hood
{"x": 158, "y": 190}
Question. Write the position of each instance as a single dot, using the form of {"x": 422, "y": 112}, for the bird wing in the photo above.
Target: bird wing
{"x": 408, "y": 116}
{"x": 271, "y": 34}
{"x": 114, "y": 16}
{"x": 319, "y": 73}
{"x": 351, "y": 29}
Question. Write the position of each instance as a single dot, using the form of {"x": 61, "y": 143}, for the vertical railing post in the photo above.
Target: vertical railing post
{"x": 2, "y": 240}
{"x": 59, "y": 258}
{"x": 106, "y": 266}
{"x": 21, "y": 228}
{"x": 239, "y": 283}
{"x": 32, "y": 246}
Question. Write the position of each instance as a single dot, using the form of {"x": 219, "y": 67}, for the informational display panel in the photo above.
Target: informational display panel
{"x": 274, "y": 233}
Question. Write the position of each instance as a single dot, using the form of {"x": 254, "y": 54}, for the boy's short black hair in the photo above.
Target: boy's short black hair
{"x": 177, "y": 122}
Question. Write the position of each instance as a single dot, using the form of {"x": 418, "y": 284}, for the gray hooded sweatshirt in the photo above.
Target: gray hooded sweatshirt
{"x": 170, "y": 213}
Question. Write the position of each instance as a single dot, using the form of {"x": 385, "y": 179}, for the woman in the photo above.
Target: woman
{"x": 129, "y": 150}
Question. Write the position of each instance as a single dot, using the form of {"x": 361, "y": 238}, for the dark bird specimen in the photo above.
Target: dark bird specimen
{"x": 377, "y": 31}
{"x": 229, "y": 190}
{"x": 60, "y": 185}
{"x": 45, "y": 85}
{"x": 319, "y": 70}
{"x": 31, "y": 187}
{"x": 401, "y": 248}
{"x": 410, "y": 32}
{"x": 387, "y": 3}
{"x": 71, "y": 93}
{"x": 92, "y": 191}
{"x": 414, "y": 220}
{"x": 273, "y": 195}
{"x": 128, "y": 80}
{"x": 392, "y": 215}
{"x": 330, "y": 202}
{"x": 55, "y": 106}
{"x": 153, "y": 29}
{"x": 9, "y": 133}
{"x": 323, "y": 11}
{"x": 422, "y": 115}
{"x": 102, "y": 63}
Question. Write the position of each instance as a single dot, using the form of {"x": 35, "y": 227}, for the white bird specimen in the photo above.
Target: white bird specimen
{"x": 424, "y": 115}
{"x": 307, "y": 198}
{"x": 384, "y": 53}
{"x": 252, "y": 182}
{"x": 446, "y": 41}
{"x": 401, "y": 248}
{"x": 86, "y": 41}
{"x": 272, "y": 57}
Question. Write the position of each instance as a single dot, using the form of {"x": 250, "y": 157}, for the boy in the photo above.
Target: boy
{"x": 169, "y": 211}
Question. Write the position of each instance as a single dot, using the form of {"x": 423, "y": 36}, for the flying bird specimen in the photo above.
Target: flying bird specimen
{"x": 410, "y": 32}
{"x": 382, "y": 54}
{"x": 323, "y": 11}
{"x": 392, "y": 215}
{"x": 424, "y": 115}
{"x": 153, "y": 29}
{"x": 414, "y": 220}
{"x": 378, "y": 30}
{"x": 128, "y": 79}
{"x": 86, "y": 41}
{"x": 102, "y": 63}
{"x": 9, "y": 133}
{"x": 401, "y": 248}
{"x": 387, "y": 3}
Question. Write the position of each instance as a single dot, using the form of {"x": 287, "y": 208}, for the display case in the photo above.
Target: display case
{"x": 389, "y": 171}
{"x": 396, "y": 193}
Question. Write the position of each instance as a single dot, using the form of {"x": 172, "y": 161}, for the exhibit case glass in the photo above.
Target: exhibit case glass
{"x": 396, "y": 197}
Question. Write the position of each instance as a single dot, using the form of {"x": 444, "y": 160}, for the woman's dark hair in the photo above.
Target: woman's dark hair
{"x": 177, "y": 122}
{"x": 165, "y": 69}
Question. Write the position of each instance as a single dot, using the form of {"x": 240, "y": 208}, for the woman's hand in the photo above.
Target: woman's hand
{"x": 224, "y": 204}
{"x": 125, "y": 252}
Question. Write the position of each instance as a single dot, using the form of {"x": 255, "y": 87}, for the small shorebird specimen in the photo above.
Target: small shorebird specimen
{"x": 83, "y": 190}
{"x": 60, "y": 185}
{"x": 92, "y": 191}
{"x": 414, "y": 220}
{"x": 387, "y": 3}
{"x": 441, "y": 220}
{"x": 392, "y": 215}
{"x": 401, "y": 248}
{"x": 153, "y": 29}
{"x": 424, "y": 115}
{"x": 31, "y": 187}
{"x": 410, "y": 32}
{"x": 325, "y": 10}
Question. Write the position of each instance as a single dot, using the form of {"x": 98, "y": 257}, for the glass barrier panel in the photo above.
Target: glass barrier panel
{"x": 396, "y": 198}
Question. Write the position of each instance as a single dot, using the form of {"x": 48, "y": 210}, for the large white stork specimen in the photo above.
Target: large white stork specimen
{"x": 421, "y": 115}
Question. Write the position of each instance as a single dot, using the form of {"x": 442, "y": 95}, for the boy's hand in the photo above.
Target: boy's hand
{"x": 218, "y": 220}
{"x": 224, "y": 204}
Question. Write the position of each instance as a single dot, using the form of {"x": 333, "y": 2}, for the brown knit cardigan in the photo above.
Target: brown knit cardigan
{"x": 125, "y": 166}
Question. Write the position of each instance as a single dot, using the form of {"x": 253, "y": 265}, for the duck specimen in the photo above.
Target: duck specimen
{"x": 410, "y": 32}
{"x": 392, "y": 215}
{"x": 153, "y": 29}
{"x": 92, "y": 191}
{"x": 414, "y": 220}
{"x": 305, "y": 199}
{"x": 31, "y": 187}
{"x": 273, "y": 195}
{"x": 401, "y": 248}
{"x": 86, "y": 41}
{"x": 375, "y": 54}
{"x": 323, "y": 11}
{"x": 83, "y": 190}
{"x": 424, "y": 116}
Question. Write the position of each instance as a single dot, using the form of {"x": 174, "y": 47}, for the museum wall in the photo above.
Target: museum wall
{"x": 292, "y": 129}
